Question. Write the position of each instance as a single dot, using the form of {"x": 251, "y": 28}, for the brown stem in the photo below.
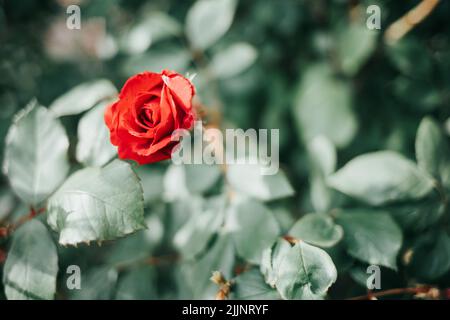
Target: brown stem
{"x": 167, "y": 259}
{"x": 7, "y": 230}
{"x": 423, "y": 291}
{"x": 407, "y": 22}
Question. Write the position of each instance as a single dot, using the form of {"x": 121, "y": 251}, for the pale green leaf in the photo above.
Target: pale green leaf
{"x": 32, "y": 264}
{"x": 194, "y": 235}
{"x": 197, "y": 274}
{"x": 323, "y": 158}
{"x": 250, "y": 285}
{"x": 208, "y": 20}
{"x": 253, "y": 228}
{"x": 306, "y": 272}
{"x": 233, "y": 60}
{"x": 83, "y": 97}
{"x": 323, "y": 106}
{"x": 355, "y": 44}
{"x": 317, "y": 229}
{"x": 151, "y": 28}
{"x": 381, "y": 177}
{"x": 248, "y": 179}
{"x": 36, "y": 154}
{"x": 97, "y": 204}
{"x": 171, "y": 58}
{"x": 94, "y": 147}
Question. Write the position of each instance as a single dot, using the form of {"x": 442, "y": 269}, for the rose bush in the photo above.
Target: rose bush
{"x": 363, "y": 190}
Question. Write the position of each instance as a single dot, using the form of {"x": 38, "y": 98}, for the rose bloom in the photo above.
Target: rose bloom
{"x": 150, "y": 107}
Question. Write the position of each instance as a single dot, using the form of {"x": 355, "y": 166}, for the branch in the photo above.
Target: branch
{"x": 403, "y": 25}
{"x": 420, "y": 292}
{"x": 7, "y": 230}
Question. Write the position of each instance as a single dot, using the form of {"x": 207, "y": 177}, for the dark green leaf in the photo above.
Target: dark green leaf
{"x": 137, "y": 284}
{"x": 432, "y": 151}
{"x": 372, "y": 237}
{"x": 431, "y": 255}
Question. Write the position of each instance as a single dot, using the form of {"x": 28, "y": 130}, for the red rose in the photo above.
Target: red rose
{"x": 150, "y": 107}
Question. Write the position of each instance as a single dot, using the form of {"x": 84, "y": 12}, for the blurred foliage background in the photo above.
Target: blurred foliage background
{"x": 308, "y": 68}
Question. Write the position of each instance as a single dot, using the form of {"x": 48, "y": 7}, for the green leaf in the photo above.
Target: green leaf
{"x": 359, "y": 275}
{"x": 417, "y": 216}
{"x": 199, "y": 178}
{"x": 432, "y": 151}
{"x": 97, "y": 284}
{"x": 323, "y": 106}
{"x": 381, "y": 177}
{"x": 250, "y": 285}
{"x": 171, "y": 58}
{"x": 151, "y": 179}
{"x": 208, "y": 20}
{"x": 323, "y": 158}
{"x": 137, "y": 246}
{"x": 323, "y": 155}
{"x": 372, "y": 237}
{"x": 247, "y": 178}
{"x": 83, "y": 97}
{"x": 220, "y": 257}
{"x": 181, "y": 181}
{"x": 305, "y": 272}
{"x": 233, "y": 60}
{"x": 355, "y": 44}
{"x": 431, "y": 255}
{"x": 317, "y": 229}
{"x": 36, "y": 154}
{"x": 271, "y": 260}
{"x": 411, "y": 57}
{"x": 32, "y": 264}
{"x": 194, "y": 235}
{"x": 253, "y": 228}
{"x": 7, "y": 203}
{"x": 153, "y": 27}
{"x": 97, "y": 204}
{"x": 94, "y": 148}
{"x": 137, "y": 284}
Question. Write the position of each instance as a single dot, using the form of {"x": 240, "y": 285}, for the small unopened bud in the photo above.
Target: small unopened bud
{"x": 407, "y": 257}
{"x": 217, "y": 278}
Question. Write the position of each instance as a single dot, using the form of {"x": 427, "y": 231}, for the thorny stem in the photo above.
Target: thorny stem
{"x": 421, "y": 291}
{"x": 407, "y": 22}
{"x": 8, "y": 229}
